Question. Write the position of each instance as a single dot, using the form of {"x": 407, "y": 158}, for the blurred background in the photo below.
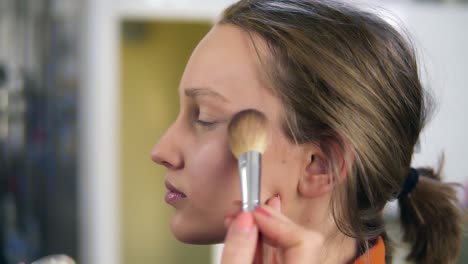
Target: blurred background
{"x": 88, "y": 87}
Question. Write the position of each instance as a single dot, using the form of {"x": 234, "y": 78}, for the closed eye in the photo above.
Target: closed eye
{"x": 205, "y": 123}
{"x": 203, "y": 120}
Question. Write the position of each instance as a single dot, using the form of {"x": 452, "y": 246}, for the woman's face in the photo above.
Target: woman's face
{"x": 220, "y": 79}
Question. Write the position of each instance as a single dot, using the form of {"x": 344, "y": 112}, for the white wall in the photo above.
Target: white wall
{"x": 441, "y": 36}
{"x": 98, "y": 174}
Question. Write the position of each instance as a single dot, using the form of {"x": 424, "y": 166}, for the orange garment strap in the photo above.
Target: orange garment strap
{"x": 376, "y": 254}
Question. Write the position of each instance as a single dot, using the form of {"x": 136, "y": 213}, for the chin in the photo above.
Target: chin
{"x": 203, "y": 234}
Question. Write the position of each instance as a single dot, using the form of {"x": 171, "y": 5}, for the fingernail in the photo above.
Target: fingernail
{"x": 243, "y": 223}
{"x": 230, "y": 216}
{"x": 262, "y": 211}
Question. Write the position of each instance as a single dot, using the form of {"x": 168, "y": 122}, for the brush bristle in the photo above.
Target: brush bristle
{"x": 248, "y": 131}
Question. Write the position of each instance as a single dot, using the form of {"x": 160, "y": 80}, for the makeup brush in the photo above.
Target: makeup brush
{"x": 248, "y": 135}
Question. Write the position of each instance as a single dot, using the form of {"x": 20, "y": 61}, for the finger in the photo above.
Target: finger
{"x": 277, "y": 229}
{"x": 258, "y": 259}
{"x": 275, "y": 203}
{"x": 241, "y": 240}
{"x": 230, "y": 217}
{"x": 269, "y": 252}
{"x": 228, "y": 220}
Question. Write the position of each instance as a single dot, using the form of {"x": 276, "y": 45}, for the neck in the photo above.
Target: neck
{"x": 339, "y": 250}
{"x": 314, "y": 214}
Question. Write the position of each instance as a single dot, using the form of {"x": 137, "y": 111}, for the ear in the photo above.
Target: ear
{"x": 317, "y": 178}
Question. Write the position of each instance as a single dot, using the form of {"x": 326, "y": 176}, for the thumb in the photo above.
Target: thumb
{"x": 241, "y": 240}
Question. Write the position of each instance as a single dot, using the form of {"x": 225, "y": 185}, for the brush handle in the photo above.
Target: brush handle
{"x": 250, "y": 171}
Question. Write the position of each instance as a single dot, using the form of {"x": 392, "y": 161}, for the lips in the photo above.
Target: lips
{"x": 173, "y": 193}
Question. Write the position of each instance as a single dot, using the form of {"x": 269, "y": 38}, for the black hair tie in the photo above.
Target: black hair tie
{"x": 410, "y": 183}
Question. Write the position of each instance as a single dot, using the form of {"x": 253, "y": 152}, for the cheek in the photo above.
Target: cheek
{"x": 214, "y": 171}
{"x": 281, "y": 167}
{"x": 211, "y": 184}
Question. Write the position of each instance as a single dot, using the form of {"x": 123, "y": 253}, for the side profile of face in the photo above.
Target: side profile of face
{"x": 221, "y": 78}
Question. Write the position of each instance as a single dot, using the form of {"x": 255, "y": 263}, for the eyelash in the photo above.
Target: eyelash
{"x": 204, "y": 123}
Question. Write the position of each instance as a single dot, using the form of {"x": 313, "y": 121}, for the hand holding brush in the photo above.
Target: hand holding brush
{"x": 248, "y": 136}
{"x": 288, "y": 242}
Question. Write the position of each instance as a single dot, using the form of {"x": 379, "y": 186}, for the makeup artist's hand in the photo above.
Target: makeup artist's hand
{"x": 286, "y": 242}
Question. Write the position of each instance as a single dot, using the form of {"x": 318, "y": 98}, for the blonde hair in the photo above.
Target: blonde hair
{"x": 349, "y": 82}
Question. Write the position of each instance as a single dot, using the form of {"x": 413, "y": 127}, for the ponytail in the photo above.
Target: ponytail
{"x": 431, "y": 217}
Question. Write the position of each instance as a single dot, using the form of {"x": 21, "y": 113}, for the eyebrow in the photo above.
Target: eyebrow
{"x": 199, "y": 92}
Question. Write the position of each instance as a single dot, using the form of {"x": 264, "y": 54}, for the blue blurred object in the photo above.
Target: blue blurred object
{"x": 38, "y": 123}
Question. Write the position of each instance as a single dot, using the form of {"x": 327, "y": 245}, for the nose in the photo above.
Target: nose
{"x": 167, "y": 151}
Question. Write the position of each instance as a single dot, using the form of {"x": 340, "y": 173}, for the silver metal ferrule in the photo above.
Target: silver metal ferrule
{"x": 250, "y": 171}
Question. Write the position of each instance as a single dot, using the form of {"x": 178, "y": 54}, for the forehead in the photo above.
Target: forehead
{"x": 226, "y": 61}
